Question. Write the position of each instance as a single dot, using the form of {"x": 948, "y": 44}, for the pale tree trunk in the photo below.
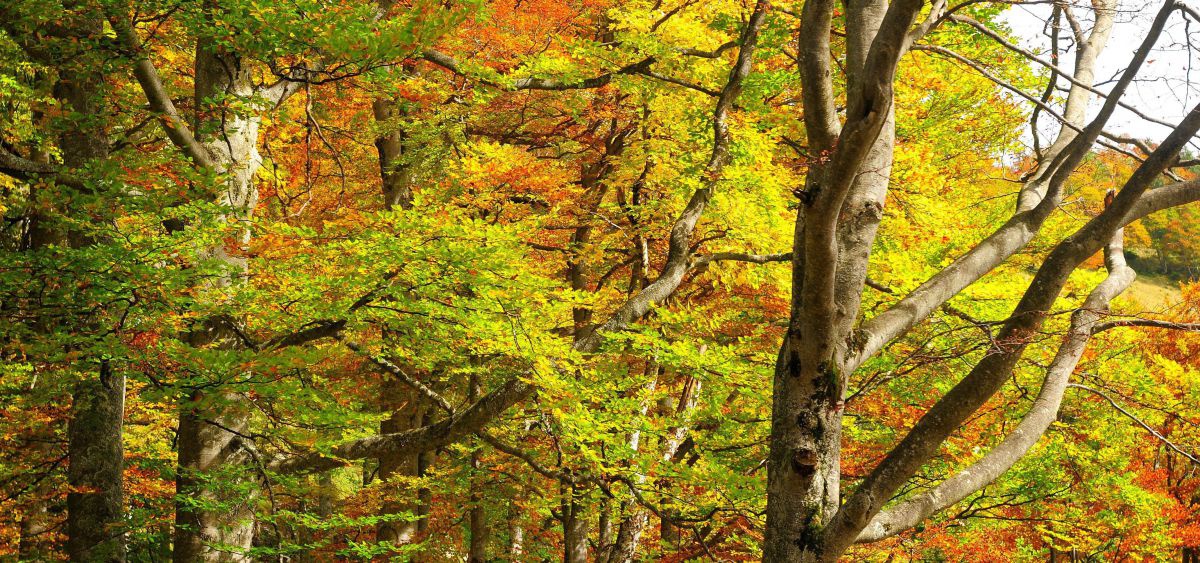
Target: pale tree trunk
{"x": 215, "y": 458}
{"x": 213, "y": 468}
{"x": 477, "y": 549}
{"x": 403, "y": 402}
{"x": 575, "y": 525}
{"x": 516, "y": 534}
{"x": 634, "y": 525}
{"x": 634, "y": 517}
{"x": 212, "y": 439}
{"x": 35, "y": 524}
{"x": 406, "y": 415}
{"x": 595, "y": 186}
{"x": 842, "y": 204}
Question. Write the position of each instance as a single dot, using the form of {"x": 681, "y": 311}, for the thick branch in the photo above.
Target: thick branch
{"x": 28, "y": 170}
{"x": 1041, "y": 415}
{"x": 160, "y": 102}
{"x": 986, "y": 378}
{"x": 1146, "y": 323}
{"x": 449, "y": 430}
{"x": 820, "y": 110}
{"x": 1016, "y": 232}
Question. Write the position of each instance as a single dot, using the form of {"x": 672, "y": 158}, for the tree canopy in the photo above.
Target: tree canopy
{"x": 586, "y": 280}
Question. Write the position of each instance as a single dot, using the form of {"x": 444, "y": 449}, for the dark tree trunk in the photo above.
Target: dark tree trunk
{"x": 95, "y": 528}
{"x": 95, "y": 523}
{"x": 406, "y": 415}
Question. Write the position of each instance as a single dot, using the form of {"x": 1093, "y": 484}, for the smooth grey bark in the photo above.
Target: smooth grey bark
{"x": 212, "y": 440}
{"x": 406, "y": 415}
{"x": 594, "y": 184}
{"x": 516, "y": 533}
{"x": 803, "y": 465}
{"x": 33, "y": 544}
{"x": 989, "y": 374}
{"x": 632, "y": 527}
{"x": 1033, "y": 425}
{"x": 575, "y": 524}
{"x": 1009, "y": 238}
{"x": 477, "y": 548}
{"x": 633, "y": 518}
{"x": 834, "y": 230}
{"x": 212, "y": 469}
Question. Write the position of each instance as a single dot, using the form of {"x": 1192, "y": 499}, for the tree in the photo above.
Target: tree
{"x": 806, "y": 518}
{"x": 582, "y": 280}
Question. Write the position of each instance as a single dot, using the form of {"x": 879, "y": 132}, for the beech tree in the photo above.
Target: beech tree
{"x": 515, "y": 280}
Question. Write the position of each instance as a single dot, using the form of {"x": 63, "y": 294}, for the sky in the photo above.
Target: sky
{"x": 1163, "y": 89}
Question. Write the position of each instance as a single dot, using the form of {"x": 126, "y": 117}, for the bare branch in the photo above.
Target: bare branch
{"x": 1147, "y": 323}
{"x": 678, "y": 250}
{"x": 1134, "y": 418}
{"x": 741, "y": 257}
{"x": 986, "y": 378}
{"x": 1039, "y": 197}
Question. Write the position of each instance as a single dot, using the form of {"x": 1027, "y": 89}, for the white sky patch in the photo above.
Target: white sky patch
{"x": 1167, "y": 86}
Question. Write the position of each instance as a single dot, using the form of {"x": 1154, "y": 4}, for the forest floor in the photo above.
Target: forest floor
{"x": 1155, "y": 293}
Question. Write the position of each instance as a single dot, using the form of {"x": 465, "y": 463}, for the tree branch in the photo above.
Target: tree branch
{"x": 472, "y": 419}
{"x": 741, "y": 257}
{"x": 1134, "y": 418}
{"x": 160, "y": 103}
{"x": 1033, "y": 425}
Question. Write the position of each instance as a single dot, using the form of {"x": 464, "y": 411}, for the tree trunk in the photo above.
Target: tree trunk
{"x": 403, "y": 402}
{"x": 95, "y": 526}
{"x": 403, "y": 500}
{"x": 632, "y": 526}
{"x": 95, "y": 509}
{"x": 35, "y": 524}
{"x": 804, "y": 464}
{"x": 516, "y": 534}
{"x": 215, "y": 462}
{"x": 575, "y": 526}
{"x": 477, "y": 550}
{"x": 212, "y": 466}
